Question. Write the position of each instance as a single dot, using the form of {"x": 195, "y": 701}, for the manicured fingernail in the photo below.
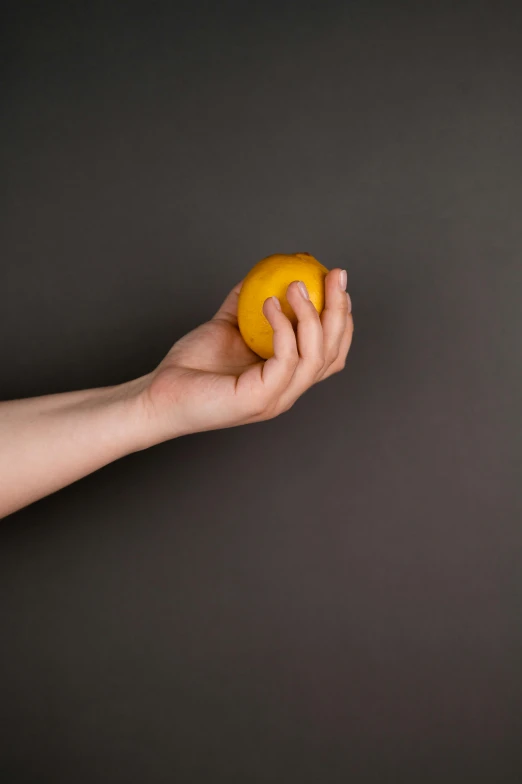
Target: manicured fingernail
{"x": 349, "y": 301}
{"x": 276, "y": 303}
{"x": 303, "y": 290}
{"x": 343, "y": 280}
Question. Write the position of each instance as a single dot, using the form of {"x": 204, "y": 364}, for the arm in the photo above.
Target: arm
{"x": 48, "y": 442}
{"x": 209, "y": 379}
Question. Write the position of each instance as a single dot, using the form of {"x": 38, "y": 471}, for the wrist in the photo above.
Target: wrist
{"x": 136, "y": 412}
{"x": 148, "y": 421}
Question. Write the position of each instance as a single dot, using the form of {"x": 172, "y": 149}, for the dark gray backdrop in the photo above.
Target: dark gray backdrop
{"x": 335, "y": 595}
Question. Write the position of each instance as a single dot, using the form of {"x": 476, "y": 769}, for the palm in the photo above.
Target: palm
{"x": 215, "y": 347}
{"x": 200, "y": 375}
{"x": 208, "y": 361}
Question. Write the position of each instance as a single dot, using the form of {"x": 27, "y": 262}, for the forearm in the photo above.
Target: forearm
{"x": 48, "y": 442}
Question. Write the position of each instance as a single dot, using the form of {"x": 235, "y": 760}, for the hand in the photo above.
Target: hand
{"x": 210, "y": 379}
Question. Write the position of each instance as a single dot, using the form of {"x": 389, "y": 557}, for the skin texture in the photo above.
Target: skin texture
{"x": 210, "y": 379}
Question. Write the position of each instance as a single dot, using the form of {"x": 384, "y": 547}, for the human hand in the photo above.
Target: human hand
{"x": 210, "y": 379}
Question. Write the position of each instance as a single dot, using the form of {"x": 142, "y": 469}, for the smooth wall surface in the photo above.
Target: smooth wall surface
{"x": 335, "y": 595}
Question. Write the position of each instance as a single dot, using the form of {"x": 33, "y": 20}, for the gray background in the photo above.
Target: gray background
{"x": 335, "y": 595}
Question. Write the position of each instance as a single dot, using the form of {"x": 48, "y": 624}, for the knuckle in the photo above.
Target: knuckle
{"x": 290, "y": 362}
{"x": 318, "y": 363}
{"x": 335, "y": 367}
{"x": 331, "y": 359}
{"x": 278, "y": 407}
{"x": 257, "y": 407}
{"x": 271, "y": 411}
{"x": 266, "y": 408}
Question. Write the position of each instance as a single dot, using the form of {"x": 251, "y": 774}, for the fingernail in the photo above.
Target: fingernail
{"x": 343, "y": 280}
{"x": 276, "y": 303}
{"x": 349, "y": 302}
{"x": 303, "y": 290}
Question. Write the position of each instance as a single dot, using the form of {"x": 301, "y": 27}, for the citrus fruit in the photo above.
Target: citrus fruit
{"x": 271, "y": 277}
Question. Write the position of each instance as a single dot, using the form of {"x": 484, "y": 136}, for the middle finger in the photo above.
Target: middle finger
{"x": 309, "y": 342}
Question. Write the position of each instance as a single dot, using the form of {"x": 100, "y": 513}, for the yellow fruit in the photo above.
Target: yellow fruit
{"x": 271, "y": 277}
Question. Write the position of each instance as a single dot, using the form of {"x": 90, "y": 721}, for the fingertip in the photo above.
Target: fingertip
{"x": 298, "y": 297}
{"x": 335, "y": 282}
{"x": 336, "y": 296}
{"x": 295, "y": 288}
{"x": 271, "y": 306}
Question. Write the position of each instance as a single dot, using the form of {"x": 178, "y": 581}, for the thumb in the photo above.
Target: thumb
{"x": 228, "y": 309}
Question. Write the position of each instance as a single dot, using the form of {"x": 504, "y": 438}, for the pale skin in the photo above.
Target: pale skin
{"x": 209, "y": 380}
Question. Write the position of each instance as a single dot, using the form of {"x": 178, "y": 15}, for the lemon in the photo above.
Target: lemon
{"x": 271, "y": 277}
